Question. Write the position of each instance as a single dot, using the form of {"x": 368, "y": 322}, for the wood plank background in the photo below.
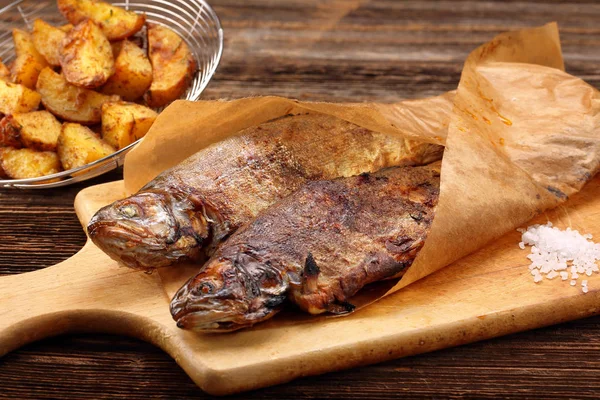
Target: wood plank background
{"x": 331, "y": 50}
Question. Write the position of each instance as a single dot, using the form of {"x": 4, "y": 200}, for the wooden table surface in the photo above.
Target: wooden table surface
{"x": 332, "y": 50}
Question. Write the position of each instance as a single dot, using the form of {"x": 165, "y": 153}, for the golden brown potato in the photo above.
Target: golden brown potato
{"x": 16, "y": 98}
{"x": 2, "y": 172}
{"x": 68, "y": 101}
{"x": 78, "y": 146}
{"x": 48, "y": 41}
{"x": 133, "y": 73}
{"x": 123, "y": 123}
{"x": 29, "y": 62}
{"x": 28, "y": 163}
{"x": 4, "y": 71}
{"x": 173, "y": 66}
{"x": 86, "y": 56}
{"x": 115, "y": 22}
{"x": 25, "y": 70}
{"x": 24, "y": 45}
{"x": 37, "y": 130}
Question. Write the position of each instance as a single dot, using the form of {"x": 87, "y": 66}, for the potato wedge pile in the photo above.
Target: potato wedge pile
{"x": 78, "y": 92}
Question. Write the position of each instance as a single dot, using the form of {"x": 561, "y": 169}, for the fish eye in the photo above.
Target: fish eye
{"x": 205, "y": 288}
{"x": 129, "y": 211}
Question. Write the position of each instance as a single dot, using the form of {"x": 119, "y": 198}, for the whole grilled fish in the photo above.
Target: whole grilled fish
{"x": 185, "y": 212}
{"x": 315, "y": 248}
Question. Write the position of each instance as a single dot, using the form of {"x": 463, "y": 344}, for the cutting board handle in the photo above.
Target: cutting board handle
{"x": 35, "y": 304}
{"x": 83, "y": 293}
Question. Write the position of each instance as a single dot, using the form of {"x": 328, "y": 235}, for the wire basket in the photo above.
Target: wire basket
{"x": 194, "y": 20}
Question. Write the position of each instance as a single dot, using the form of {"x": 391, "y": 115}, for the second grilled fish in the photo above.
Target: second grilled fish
{"x": 316, "y": 248}
{"x": 187, "y": 211}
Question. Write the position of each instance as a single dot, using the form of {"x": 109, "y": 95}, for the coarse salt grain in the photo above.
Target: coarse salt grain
{"x": 564, "y": 275}
{"x": 554, "y": 251}
{"x": 552, "y": 275}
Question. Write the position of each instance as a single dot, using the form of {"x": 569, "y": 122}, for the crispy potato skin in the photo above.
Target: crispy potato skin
{"x": 123, "y": 123}
{"x": 16, "y": 98}
{"x": 115, "y": 22}
{"x": 28, "y": 163}
{"x": 78, "y": 146}
{"x": 48, "y": 41}
{"x": 173, "y": 66}
{"x": 86, "y": 56}
{"x": 68, "y": 101}
{"x": 10, "y": 133}
{"x": 29, "y": 62}
{"x": 133, "y": 72}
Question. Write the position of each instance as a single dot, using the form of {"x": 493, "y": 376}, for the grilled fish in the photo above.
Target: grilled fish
{"x": 315, "y": 248}
{"x": 188, "y": 210}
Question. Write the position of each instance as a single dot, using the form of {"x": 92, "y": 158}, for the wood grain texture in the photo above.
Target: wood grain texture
{"x": 321, "y": 50}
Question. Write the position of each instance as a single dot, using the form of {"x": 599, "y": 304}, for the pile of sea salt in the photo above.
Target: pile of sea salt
{"x": 555, "y": 252}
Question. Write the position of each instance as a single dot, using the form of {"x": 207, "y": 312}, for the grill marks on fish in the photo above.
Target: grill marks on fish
{"x": 322, "y": 244}
{"x": 217, "y": 190}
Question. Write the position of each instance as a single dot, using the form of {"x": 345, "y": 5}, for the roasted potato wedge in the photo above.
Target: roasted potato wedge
{"x": 86, "y": 56}
{"x": 78, "y": 146}
{"x": 123, "y": 123}
{"x": 28, "y": 163}
{"x": 48, "y": 41}
{"x": 29, "y": 62}
{"x": 173, "y": 66}
{"x": 133, "y": 73}
{"x": 16, "y": 98}
{"x": 24, "y": 45}
{"x": 68, "y": 101}
{"x": 115, "y": 22}
{"x": 37, "y": 130}
{"x": 25, "y": 70}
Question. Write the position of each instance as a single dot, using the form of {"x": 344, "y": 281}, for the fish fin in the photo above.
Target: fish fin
{"x": 275, "y": 301}
{"x": 310, "y": 275}
{"x": 340, "y": 307}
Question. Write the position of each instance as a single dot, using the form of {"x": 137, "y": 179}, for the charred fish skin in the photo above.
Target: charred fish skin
{"x": 227, "y": 184}
{"x": 317, "y": 248}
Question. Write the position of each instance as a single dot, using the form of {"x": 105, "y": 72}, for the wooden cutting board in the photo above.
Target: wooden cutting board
{"x": 487, "y": 294}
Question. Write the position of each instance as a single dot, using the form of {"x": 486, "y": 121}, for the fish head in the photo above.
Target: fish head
{"x": 225, "y": 297}
{"x": 147, "y": 230}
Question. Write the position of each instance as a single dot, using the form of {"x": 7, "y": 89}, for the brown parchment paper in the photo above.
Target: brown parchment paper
{"x": 523, "y": 136}
{"x": 520, "y": 134}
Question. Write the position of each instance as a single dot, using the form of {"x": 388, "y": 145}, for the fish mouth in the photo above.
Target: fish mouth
{"x": 210, "y": 321}
{"x": 98, "y": 228}
{"x": 128, "y": 246}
